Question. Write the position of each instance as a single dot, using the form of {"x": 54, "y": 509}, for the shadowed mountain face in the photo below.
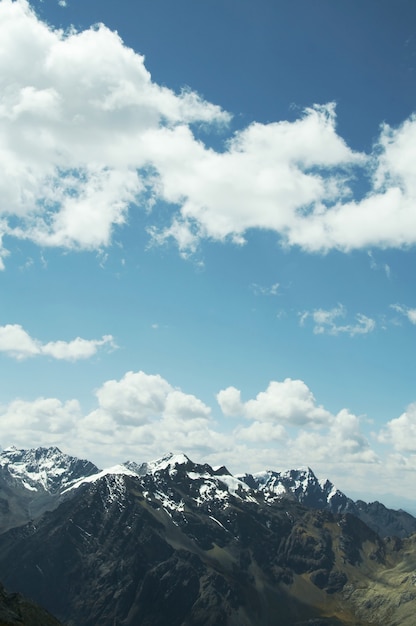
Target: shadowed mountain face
{"x": 118, "y": 551}
{"x": 16, "y": 611}
{"x": 174, "y": 542}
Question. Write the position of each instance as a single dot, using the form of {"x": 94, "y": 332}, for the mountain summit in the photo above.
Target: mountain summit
{"x": 32, "y": 482}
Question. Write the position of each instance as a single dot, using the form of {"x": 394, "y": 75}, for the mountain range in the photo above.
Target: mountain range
{"x": 173, "y": 542}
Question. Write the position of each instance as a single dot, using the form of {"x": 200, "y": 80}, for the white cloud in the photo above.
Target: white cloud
{"x": 142, "y": 416}
{"x": 406, "y": 311}
{"x": 343, "y": 441}
{"x": 385, "y": 217}
{"x": 261, "y": 432}
{"x": 273, "y": 290}
{"x": 76, "y": 111}
{"x": 81, "y": 144}
{"x": 290, "y": 402}
{"x": 134, "y": 399}
{"x": 77, "y": 348}
{"x": 44, "y": 421}
{"x": 325, "y": 321}
{"x": 143, "y": 411}
{"x": 292, "y": 178}
{"x": 17, "y": 343}
{"x": 375, "y": 266}
{"x": 184, "y": 407}
{"x": 401, "y": 431}
{"x": 230, "y": 402}
{"x": 269, "y": 177}
{"x": 287, "y": 416}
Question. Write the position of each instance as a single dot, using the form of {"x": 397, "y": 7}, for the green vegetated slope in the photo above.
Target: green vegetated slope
{"x": 387, "y": 595}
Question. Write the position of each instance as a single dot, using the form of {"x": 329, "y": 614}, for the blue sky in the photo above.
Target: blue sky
{"x": 208, "y": 219}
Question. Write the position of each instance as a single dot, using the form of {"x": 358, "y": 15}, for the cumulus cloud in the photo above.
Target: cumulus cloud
{"x": 325, "y": 322}
{"x": 287, "y": 414}
{"x": 134, "y": 399}
{"x": 290, "y": 401}
{"x": 137, "y": 398}
{"x": 17, "y": 343}
{"x": 142, "y": 416}
{"x": 401, "y": 431}
{"x": 86, "y": 134}
{"x": 144, "y": 411}
{"x": 79, "y": 110}
{"x": 44, "y": 421}
{"x": 343, "y": 440}
{"x": 184, "y": 406}
{"x": 139, "y": 416}
{"x": 230, "y": 402}
{"x": 384, "y": 217}
{"x": 261, "y": 432}
{"x": 270, "y": 176}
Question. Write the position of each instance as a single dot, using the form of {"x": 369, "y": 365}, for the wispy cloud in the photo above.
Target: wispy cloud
{"x": 408, "y": 312}
{"x": 260, "y": 290}
{"x": 327, "y": 322}
{"x": 376, "y": 266}
{"x": 18, "y": 344}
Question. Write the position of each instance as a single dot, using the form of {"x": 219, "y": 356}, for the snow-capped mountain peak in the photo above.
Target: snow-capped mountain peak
{"x": 38, "y": 480}
{"x": 115, "y": 470}
{"x": 43, "y": 469}
{"x": 168, "y": 462}
{"x": 303, "y": 485}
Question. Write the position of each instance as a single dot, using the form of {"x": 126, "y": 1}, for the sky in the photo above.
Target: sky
{"x": 208, "y": 229}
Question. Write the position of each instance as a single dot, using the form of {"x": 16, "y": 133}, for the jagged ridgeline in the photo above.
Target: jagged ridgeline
{"x": 173, "y": 542}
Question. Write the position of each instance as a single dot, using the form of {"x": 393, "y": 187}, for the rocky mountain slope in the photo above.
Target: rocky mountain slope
{"x": 16, "y": 611}
{"x": 178, "y": 543}
{"x": 37, "y": 480}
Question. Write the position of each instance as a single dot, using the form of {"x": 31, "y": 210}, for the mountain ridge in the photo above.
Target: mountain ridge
{"x": 181, "y": 543}
{"x": 38, "y": 479}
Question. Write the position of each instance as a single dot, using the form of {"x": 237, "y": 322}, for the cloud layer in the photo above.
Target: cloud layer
{"x": 86, "y": 135}
{"x": 142, "y": 416}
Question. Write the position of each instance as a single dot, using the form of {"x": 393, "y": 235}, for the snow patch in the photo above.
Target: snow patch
{"x": 218, "y": 522}
{"x": 116, "y": 470}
